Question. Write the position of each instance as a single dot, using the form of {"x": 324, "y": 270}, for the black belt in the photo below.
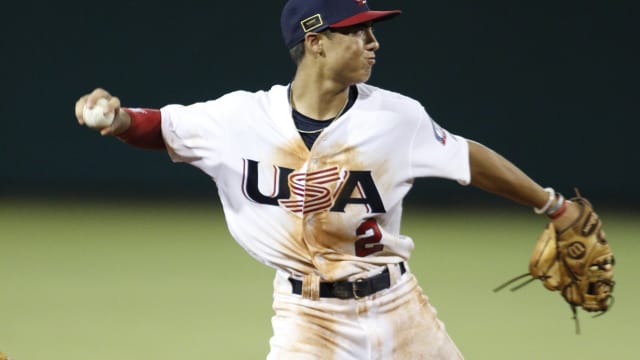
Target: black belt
{"x": 351, "y": 289}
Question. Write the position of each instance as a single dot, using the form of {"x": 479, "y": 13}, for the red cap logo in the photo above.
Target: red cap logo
{"x": 361, "y": 2}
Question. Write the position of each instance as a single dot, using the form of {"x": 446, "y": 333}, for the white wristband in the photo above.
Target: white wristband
{"x": 552, "y": 195}
{"x": 553, "y": 209}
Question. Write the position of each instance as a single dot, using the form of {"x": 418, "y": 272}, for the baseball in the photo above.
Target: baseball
{"x": 96, "y": 117}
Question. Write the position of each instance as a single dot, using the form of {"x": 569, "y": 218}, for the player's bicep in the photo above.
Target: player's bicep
{"x": 193, "y": 134}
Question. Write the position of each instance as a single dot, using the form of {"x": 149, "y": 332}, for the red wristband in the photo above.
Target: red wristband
{"x": 145, "y": 130}
{"x": 560, "y": 211}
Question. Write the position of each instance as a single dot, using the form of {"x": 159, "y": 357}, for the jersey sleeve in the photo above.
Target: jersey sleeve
{"x": 435, "y": 152}
{"x": 194, "y": 134}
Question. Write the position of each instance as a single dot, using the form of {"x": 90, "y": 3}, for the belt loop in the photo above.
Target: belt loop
{"x": 395, "y": 273}
{"x": 311, "y": 286}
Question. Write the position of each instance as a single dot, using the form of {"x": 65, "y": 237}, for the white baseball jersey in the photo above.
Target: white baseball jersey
{"x": 334, "y": 210}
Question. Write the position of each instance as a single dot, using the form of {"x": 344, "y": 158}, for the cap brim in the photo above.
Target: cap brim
{"x": 366, "y": 16}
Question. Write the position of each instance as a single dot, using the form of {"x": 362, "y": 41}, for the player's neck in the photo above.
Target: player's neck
{"x": 317, "y": 99}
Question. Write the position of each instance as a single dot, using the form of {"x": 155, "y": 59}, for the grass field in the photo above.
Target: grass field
{"x": 113, "y": 280}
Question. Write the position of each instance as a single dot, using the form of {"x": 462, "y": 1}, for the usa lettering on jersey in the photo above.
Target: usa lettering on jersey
{"x": 309, "y": 192}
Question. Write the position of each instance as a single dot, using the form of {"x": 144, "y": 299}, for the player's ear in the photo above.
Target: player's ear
{"x": 313, "y": 44}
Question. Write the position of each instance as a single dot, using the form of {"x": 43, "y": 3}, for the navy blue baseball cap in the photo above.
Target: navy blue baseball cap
{"x": 302, "y": 16}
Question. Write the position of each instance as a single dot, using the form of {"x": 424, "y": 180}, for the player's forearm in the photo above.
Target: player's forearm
{"x": 493, "y": 173}
{"x": 141, "y": 128}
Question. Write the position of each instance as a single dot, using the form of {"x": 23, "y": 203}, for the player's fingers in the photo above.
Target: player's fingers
{"x": 96, "y": 94}
{"x": 79, "y": 107}
{"x": 115, "y": 124}
{"x": 113, "y": 104}
{"x": 106, "y": 131}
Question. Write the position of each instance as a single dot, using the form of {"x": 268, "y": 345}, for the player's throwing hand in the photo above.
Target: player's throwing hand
{"x": 101, "y": 111}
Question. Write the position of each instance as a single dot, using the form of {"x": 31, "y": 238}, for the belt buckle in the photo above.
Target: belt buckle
{"x": 355, "y": 288}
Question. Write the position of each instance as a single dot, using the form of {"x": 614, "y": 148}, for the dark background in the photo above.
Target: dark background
{"x": 552, "y": 85}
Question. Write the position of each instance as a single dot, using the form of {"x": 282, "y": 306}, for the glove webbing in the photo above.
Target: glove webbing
{"x": 529, "y": 281}
{"x": 532, "y": 279}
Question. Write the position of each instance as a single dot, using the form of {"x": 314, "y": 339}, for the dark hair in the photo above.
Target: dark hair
{"x": 297, "y": 51}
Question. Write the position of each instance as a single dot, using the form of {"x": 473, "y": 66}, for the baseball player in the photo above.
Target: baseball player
{"x": 312, "y": 174}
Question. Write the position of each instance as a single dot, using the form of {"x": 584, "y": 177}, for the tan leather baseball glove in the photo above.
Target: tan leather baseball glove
{"x": 576, "y": 261}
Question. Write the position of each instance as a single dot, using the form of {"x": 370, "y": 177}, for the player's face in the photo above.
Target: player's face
{"x": 350, "y": 53}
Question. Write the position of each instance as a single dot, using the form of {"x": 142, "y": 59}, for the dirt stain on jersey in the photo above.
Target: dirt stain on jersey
{"x": 331, "y": 235}
{"x": 328, "y": 235}
{"x": 292, "y": 154}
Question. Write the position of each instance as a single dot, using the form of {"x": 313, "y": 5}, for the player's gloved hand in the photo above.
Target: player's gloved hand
{"x": 121, "y": 119}
{"x": 569, "y": 217}
{"x": 573, "y": 256}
